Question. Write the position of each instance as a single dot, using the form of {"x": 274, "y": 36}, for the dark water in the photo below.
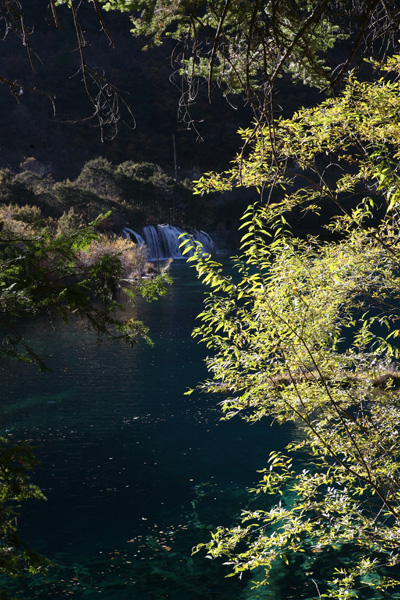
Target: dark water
{"x": 135, "y": 472}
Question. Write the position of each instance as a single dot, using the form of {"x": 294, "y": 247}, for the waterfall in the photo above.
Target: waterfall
{"x": 129, "y": 233}
{"x": 163, "y": 241}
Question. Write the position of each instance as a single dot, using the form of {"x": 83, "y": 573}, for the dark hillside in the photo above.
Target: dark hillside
{"x": 64, "y": 141}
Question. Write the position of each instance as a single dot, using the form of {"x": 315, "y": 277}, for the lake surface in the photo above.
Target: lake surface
{"x": 135, "y": 472}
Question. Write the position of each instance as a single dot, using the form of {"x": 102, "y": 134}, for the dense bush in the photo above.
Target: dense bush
{"x": 21, "y": 223}
{"x": 131, "y": 256}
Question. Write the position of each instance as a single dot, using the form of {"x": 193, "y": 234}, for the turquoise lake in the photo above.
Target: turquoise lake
{"x": 135, "y": 472}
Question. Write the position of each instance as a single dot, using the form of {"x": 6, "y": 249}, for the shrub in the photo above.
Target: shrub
{"x": 131, "y": 256}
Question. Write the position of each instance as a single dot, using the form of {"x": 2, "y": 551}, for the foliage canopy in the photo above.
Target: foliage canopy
{"x": 307, "y": 331}
{"x": 68, "y": 270}
{"x": 244, "y": 46}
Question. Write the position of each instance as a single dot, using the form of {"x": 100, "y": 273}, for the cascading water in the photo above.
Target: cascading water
{"x": 130, "y": 233}
{"x": 163, "y": 241}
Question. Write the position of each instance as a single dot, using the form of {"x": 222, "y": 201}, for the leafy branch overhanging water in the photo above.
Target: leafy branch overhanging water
{"x": 307, "y": 332}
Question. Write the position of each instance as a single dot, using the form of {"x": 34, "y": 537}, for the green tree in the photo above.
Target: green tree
{"x": 16, "y": 464}
{"x": 98, "y": 175}
{"x": 13, "y": 191}
{"x": 49, "y": 268}
{"x": 307, "y": 332}
{"x": 150, "y": 195}
{"x": 244, "y": 46}
{"x": 67, "y": 195}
